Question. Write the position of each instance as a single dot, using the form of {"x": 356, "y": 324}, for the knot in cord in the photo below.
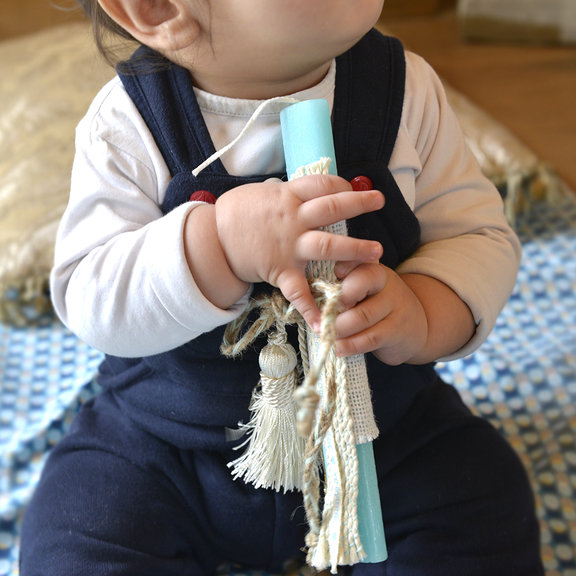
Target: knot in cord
{"x": 274, "y": 310}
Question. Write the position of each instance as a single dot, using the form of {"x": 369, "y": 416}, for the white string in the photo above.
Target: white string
{"x": 279, "y": 99}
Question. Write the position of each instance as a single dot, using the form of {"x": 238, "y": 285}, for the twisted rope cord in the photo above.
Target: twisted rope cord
{"x": 333, "y": 537}
{"x": 324, "y": 420}
{"x": 327, "y": 424}
{"x": 274, "y": 309}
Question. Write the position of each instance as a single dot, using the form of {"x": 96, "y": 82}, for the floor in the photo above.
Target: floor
{"x": 19, "y": 17}
{"x": 530, "y": 89}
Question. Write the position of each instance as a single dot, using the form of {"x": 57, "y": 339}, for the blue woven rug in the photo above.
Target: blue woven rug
{"x": 523, "y": 379}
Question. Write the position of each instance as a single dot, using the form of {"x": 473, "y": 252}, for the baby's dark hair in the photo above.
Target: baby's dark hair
{"x": 115, "y": 53}
{"x": 104, "y": 28}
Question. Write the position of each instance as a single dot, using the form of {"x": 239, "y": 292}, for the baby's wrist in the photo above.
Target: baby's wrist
{"x": 207, "y": 260}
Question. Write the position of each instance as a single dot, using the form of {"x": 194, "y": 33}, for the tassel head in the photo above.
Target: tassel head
{"x": 277, "y": 360}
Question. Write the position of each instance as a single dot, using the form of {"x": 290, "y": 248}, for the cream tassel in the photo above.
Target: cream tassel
{"x": 274, "y": 457}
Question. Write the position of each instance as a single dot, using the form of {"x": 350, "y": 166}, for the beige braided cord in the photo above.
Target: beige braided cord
{"x": 333, "y": 538}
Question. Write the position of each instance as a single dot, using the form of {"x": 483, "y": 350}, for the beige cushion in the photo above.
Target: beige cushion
{"x": 49, "y": 79}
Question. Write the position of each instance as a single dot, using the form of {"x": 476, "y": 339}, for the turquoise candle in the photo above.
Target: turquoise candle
{"x": 307, "y": 137}
{"x": 370, "y": 524}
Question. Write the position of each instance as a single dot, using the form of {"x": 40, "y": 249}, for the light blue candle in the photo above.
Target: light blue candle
{"x": 307, "y": 137}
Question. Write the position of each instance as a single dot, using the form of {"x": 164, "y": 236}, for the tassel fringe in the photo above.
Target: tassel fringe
{"x": 274, "y": 457}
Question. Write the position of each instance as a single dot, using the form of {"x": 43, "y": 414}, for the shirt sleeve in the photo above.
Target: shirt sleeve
{"x": 120, "y": 279}
{"x": 466, "y": 241}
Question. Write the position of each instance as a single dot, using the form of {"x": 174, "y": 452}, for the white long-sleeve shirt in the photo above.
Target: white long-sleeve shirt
{"x": 120, "y": 279}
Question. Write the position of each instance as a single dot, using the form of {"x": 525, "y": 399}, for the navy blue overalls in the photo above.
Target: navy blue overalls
{"x": 140, "y": 486}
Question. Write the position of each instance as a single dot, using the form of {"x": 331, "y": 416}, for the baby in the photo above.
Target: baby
{"x": 151, "y": 274}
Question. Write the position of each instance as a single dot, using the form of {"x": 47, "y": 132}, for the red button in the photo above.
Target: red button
{"x": 203, "y": 196}
{"x": 361, "y": 183}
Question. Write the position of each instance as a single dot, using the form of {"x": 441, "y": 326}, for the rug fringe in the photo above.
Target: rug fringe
{"x": 523, "y": 191}
{"x": 25, "y": 302}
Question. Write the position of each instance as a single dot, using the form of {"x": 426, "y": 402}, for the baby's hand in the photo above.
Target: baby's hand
{"x": 381, "y": 314}
{"x": 269, "y": 231}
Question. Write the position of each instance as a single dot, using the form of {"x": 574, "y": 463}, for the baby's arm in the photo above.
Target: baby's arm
{"x": 120, "y": 280}
{"x": 444, "y": 300}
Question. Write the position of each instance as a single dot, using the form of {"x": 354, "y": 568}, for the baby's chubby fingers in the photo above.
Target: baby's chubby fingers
{"x": 322, "y": 246}
{"x": 295, "y": 288}
{"x": 366, "y": 280}
{"x": 329, "y": 199}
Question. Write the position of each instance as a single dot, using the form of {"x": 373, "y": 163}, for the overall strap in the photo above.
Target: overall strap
{"x": 369, "y": 97}
{"x": 370, "y": 81}
{"x": 163, "y": 94}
